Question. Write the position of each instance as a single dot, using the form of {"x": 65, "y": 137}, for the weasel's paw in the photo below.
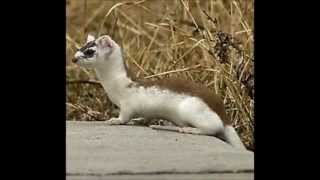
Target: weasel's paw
{"x": 154, "y": 126}
{"x": 113, "y": 121}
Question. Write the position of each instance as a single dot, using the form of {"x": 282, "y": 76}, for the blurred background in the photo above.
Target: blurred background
{"x": 206, "y": 41}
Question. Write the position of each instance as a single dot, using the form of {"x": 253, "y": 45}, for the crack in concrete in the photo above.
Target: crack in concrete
{"x": 161, "y": 173}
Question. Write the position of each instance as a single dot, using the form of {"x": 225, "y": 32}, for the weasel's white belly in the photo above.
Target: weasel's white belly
{"x": 155, "y": 103}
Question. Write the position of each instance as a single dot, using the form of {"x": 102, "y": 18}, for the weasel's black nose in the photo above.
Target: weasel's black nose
{"x": 74, "y": 60}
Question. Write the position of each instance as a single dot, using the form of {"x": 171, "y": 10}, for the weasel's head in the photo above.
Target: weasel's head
{"x": 95, "y": 51}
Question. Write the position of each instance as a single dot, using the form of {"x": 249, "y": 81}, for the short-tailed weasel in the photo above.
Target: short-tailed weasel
{"x": 192, "y": 107}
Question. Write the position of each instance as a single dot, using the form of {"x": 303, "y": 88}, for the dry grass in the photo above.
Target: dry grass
{"x": 210, "y": 42}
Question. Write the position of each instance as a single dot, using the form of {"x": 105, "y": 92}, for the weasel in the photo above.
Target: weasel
{"x": 192, "y": 107}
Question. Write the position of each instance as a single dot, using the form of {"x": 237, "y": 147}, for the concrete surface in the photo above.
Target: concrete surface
{"x": 211, "y": 176}
{"x": 96, "y": 151}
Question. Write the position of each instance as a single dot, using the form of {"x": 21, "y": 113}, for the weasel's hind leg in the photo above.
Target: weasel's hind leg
{"x": 198, "y": 115}
{"x": 205, "y": 124}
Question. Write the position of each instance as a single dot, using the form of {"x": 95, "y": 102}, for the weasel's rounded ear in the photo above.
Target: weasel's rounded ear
{"x": 90, "y": 38}
{"x": 105, "y": 41}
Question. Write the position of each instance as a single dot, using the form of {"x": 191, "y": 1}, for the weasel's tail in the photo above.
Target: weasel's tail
{"x": 231, "y": 137}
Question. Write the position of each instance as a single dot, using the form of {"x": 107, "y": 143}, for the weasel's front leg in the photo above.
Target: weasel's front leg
{"x": 123, "y": 118}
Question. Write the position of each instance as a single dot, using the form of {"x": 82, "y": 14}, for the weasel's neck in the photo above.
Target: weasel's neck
{"x": 114, "y": 77}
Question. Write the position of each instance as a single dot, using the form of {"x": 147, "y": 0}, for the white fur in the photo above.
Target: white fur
{"x": 150, "y": 102}
{"x": 230, "y": 135}
{"x": 90, "y": 38}
{"x": 78, "y": 55}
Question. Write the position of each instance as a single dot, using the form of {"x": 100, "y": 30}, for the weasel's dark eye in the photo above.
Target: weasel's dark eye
{"x": 89, "y": 52}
